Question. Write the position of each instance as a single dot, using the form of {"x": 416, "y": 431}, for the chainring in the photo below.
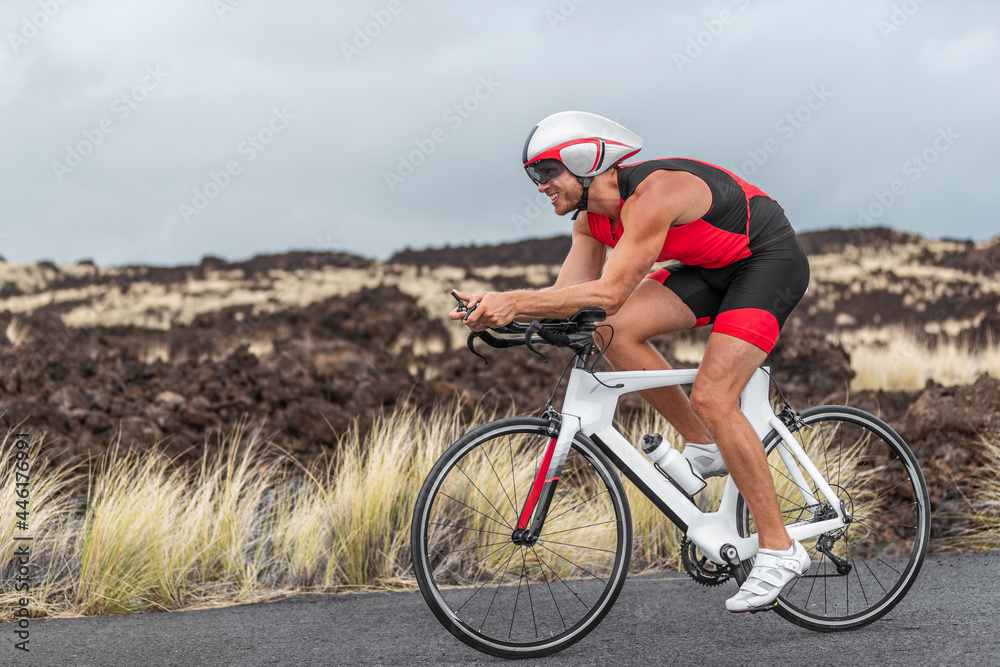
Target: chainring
{"x": 702, "y": 570}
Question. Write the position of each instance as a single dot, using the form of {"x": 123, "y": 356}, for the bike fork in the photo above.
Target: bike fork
{"x": 543, "y": 488}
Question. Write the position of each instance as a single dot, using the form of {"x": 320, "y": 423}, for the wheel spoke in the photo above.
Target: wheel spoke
{"x": 578, "y": 546}
{"x": 549, "y": 520}
{"x": 882, "y": 495}
{"x": 857, "y": 572}
{"x": 497, "y": 591}
{"x": 872, "y": 572}
{"x": 484, "y": 584}
{"x": 541, "y": 571}
{"x": 486, "y": 557}
{"x": 478, "y": 530}
{"x": 502, "y": 487}
{"x": 485, "y": 497}
{"x": 570, "y": 530}
{"x": 502, "y": 524}
{"x": 579, "y": 567}
{"x": 478, "y": 546}
{"x": 563, "y": 581}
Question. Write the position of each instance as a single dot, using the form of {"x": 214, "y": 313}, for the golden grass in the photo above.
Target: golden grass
{"x": 48, "y": 513}
{"x": 892, "y": 358}
{"x": 982, "y": 532}
{"x": 248, "y": 522}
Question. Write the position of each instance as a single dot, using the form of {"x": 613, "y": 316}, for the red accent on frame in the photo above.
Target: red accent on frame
{"x": 536, "y": 487}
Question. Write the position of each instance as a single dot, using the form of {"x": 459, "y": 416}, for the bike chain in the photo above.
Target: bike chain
{"x": 702, "y": 570}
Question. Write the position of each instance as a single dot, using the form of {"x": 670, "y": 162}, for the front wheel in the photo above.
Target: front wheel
{"x": 487, "y": 588}
{"x": 862, "y": 570}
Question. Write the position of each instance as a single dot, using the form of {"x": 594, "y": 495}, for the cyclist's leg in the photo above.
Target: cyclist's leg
{"x": 760, "y": 294}
{"x": 727, "y": 366}
{"x": 649, "y": 311}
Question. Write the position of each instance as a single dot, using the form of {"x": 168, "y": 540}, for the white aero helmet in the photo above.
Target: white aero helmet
{"x": 584, "y": 143}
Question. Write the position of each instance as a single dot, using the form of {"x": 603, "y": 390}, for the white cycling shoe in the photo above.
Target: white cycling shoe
{"x": 705, "y": 460}
{"x": 772, "y": 571}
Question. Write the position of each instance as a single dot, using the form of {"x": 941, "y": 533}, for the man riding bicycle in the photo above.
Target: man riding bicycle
{"x": 743, "y": 271}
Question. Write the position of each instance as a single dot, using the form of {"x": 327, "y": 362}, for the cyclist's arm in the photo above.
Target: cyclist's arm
{"x": 585, "y": 259}
{"x": 631, "y": 260}
{"x": 660, "y": 201}
{"x": 583, "y": 263}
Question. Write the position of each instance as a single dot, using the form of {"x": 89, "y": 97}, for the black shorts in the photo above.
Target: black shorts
{"x": 749, "y": 299}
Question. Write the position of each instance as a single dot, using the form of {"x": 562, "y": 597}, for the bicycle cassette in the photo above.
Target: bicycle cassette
{"x": 702, "y": 570}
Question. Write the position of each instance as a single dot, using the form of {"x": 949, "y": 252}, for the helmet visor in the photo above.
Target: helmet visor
{"x": 543, "y": 171}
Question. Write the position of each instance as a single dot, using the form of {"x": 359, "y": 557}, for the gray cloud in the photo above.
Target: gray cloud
{"x": 729, "y": 82}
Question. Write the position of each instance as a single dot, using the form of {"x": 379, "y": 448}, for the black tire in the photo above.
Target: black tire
{"x": 548, "y": 595}
{"x": 873, "y": 471}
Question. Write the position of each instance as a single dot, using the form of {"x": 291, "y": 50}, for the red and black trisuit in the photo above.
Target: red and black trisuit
{"x": 741, "y": 266}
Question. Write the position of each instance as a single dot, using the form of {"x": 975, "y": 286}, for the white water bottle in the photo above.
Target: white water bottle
{"x": 672, "y": 464}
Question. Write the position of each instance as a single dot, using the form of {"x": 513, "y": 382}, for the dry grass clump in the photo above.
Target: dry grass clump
{"x": 41, "y": 491}
{"x": 894, "y": 359}
{"x": 248, "y": 522}
{"x": 983, "y": 531}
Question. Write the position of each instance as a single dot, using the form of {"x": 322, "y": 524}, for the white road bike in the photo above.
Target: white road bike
{"x": 522, "y": 532}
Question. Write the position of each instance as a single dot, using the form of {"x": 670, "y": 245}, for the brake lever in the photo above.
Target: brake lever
{"x": 463, "y": 308}
{"x": 470, "y": 341}
{"x": 532, "y": 328}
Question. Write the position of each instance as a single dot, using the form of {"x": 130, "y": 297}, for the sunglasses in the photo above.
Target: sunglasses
{"x": 543, "y": 171}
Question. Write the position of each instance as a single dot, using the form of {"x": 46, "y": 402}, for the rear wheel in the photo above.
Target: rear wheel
{"x": 862, "y": 570}
{"x": 495, "y": 593}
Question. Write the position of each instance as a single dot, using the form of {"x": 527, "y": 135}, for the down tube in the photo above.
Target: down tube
{"x": 674, "y": 504}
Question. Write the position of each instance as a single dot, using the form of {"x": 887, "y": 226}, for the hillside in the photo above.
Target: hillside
{"x": 313, "y": 341}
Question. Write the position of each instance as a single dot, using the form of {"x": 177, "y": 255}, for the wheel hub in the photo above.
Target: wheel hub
{"x": 523, "y": 537}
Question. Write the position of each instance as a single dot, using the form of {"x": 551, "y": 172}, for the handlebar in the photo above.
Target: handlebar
{"x": 574, "y": 333}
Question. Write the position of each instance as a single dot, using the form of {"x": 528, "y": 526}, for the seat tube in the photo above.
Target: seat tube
{"x": 547, "y": 478}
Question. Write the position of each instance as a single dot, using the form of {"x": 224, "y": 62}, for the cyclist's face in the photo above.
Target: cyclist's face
{"x": 556, "y": 182}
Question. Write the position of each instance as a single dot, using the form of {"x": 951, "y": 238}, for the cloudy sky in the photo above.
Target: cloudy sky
{"x": 160, "y": 132}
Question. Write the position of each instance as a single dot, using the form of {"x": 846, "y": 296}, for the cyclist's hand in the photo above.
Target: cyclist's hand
{"x": 470, "y": 301}
{"x": 492, "y": 310}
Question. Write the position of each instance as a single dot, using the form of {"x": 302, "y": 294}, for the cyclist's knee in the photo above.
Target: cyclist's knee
{"x": 710, "y": 405}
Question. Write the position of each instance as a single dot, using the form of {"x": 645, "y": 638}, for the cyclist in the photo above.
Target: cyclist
{"x": 742, "y": 271}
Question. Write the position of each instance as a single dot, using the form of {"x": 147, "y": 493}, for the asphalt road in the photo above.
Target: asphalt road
{"x": 948, "y": 618}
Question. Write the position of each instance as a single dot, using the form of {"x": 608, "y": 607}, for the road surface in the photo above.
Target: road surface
{"x": 949, "y": 617}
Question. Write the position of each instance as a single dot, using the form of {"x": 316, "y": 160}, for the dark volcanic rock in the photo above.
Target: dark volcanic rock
{"x": 832, "y": 241}
{"x": 520, "y": 253}
{"x": 809, "y": 367}
{"x": 942, "y": 415}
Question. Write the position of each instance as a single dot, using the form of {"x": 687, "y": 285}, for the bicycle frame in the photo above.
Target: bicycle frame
{"x": 589, "y": 408}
